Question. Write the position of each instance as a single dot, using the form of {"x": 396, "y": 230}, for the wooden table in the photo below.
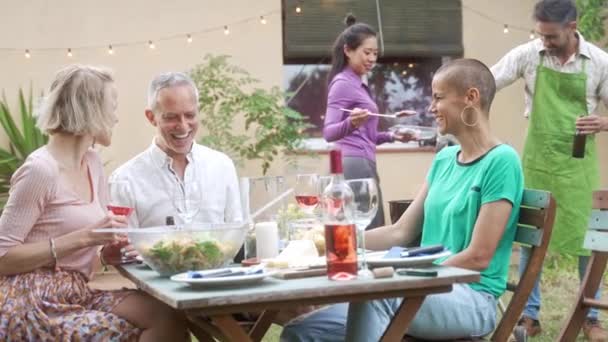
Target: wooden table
{"x": 211, "y": 310}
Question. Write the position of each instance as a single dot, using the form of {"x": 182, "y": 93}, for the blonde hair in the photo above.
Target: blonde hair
{"x": 78, "y": 102}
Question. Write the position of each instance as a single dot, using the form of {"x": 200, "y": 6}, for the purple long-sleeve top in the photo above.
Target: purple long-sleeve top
{"x": 347, "y": 90}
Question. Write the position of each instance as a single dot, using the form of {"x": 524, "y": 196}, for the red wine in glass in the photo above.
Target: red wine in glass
{"x": 118, "y": 210}
{"x": 307, "y": 202}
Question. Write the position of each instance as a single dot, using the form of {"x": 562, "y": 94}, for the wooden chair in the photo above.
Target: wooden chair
{"x": 597, "y": 241}
{"x": 536, "y": 217}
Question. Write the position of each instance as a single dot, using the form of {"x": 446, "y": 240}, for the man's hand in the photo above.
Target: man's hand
{"x": 591, "y": 124}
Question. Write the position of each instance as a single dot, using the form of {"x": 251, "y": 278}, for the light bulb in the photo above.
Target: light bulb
{"x": 411, "y": 65}
{"x": 189, "y": 39}
{"x": 226, "y": 30}
{"x": 110, "y": 50}
{"x": 70, "y": 53}
{"x": 404, "y": 73}
{"x": 262, "y": 20}
{"x": 298, "y": 9}
{"x": 27, "y": 54}
{"x": 151, "y": 44}
{"x": 532, "y": 35}
{"x": 506, "y": 29}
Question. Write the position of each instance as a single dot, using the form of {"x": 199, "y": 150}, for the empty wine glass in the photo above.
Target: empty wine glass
{"x": 121, "y": 198}
{"x": 365, "y": 193}
{"x": 322, "y": 183}
{"x": 187, "y": 200}
{"x": 307, "y": 192}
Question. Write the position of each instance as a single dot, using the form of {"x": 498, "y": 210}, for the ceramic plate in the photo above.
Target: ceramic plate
{"x": 222, "y": 281}
{"x": 376, "y": 259}
{"x": 421, "y": 133}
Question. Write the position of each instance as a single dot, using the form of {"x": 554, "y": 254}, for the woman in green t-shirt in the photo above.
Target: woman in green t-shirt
{"x": 469, "y": 203}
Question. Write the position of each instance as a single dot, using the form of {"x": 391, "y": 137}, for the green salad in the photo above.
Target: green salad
{"x": 176, "y": 255}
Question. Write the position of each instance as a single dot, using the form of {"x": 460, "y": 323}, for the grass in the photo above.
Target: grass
{"x": 559, "y": 287}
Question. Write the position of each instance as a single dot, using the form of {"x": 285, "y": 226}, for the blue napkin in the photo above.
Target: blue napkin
{"x": 224, "y": 273}
{"x": 394, "y": 253}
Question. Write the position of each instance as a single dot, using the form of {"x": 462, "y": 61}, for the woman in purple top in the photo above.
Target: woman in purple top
{"x": 354, "y": 54}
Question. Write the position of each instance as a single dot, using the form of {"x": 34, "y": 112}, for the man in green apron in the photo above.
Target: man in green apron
{"x": 565, "y": 78}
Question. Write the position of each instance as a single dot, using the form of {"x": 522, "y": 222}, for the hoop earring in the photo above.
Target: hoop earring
{"x": 464, "y": 121}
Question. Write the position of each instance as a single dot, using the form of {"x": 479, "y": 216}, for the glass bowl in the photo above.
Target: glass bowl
{"x": 308, "y": 229}
{"x": 420, "y": 132}
{"x": 170, "y": 250}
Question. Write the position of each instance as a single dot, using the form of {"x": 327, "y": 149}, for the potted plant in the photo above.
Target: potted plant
{"x": 22, "y": 141}
{"x": 270, "y": 127}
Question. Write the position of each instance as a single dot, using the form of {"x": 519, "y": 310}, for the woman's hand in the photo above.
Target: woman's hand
{"x": 405, "y": 137}
{"x": 86, "y": 237}
{"x": 358, "y": 117}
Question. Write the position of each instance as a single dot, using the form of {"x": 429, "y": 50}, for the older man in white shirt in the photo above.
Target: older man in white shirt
{"x": 174, "y": 163}
{"x": 565, "y": 78}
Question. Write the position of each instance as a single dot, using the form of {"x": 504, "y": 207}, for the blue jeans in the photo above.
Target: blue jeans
{"x": 461, "y": 313}
{"x": 533, "y": 305}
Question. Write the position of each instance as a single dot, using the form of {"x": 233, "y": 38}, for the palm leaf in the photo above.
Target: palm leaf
{"x": 21, "y": 142}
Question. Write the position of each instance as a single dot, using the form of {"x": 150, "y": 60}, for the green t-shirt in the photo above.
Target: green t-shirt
{"x": 456, "y": 193}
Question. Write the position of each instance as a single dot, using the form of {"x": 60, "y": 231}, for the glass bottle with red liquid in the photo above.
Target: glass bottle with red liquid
{"x": 338, "y": 218}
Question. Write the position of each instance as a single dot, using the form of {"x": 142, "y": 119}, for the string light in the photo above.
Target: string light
{"x": 298, "y": 9}
{"x": 532, "y": 36}
{"x": 151, "y": 45}
{"x": 27, "y": 54}
{"x": 262, "y": 20}
{"x": 189, "y": 38}
{"x": 70, "y": 53}
{"x": 110, "y": 50}
{"x": 226, "y": 30}
{"x": 411, "y": 65}
{"x": 506, "y": 29}
{"x": 404, "y": 72}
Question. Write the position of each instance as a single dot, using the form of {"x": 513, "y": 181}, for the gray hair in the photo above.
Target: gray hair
{"x": 78, "y": 102}
{"x": 168, "y": 80}
{"x": 555, "y": 11}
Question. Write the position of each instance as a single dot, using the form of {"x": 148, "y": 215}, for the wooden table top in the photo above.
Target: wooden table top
{"x": 279, "y": 291}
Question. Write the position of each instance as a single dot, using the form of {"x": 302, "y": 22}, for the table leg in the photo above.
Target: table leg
{"x": 204, "y": 330}
{"x": 230, "y": 328}
{"x": 401, "y": 321}
{"x": 262, "y": 324}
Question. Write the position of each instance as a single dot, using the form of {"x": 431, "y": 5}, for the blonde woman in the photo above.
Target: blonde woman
{"x": 47, "y": 247}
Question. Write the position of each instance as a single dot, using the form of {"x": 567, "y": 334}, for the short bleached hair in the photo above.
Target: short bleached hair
{"x": 79, "y": 102}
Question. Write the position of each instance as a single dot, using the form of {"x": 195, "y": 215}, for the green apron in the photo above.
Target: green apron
{"x": 559, "y": 98}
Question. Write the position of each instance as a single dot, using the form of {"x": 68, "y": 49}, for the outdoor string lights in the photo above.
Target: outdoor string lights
{"x": 189, "y": 37}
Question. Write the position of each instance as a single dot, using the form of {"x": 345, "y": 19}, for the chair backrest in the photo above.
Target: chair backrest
{"x": 536, "y": 217}
{"x": 596, "y": 240}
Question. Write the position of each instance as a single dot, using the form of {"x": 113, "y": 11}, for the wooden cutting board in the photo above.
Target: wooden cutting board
{"x": 302, "y": 273}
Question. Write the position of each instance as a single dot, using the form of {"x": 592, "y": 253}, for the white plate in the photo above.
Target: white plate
{"x": 421, "y": 132}
{"x": 375, "y": 259}
{"x": 222, "y": 281}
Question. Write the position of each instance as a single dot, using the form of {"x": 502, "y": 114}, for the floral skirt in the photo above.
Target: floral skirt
{"x": 48, "y": 305}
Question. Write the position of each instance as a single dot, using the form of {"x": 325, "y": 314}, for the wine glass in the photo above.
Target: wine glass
{"x": 322, "y": 183}
{"x": 121, "y": 198}
{"x": 307, "y": 192}
{"x": 365, "y": 192}
{"x": 187, "y": 200}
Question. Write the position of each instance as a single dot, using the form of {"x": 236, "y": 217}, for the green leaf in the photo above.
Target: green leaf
{"x": 21, "y": 142}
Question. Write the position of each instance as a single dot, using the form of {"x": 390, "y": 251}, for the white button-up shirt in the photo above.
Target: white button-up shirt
{"x": 524, "y": 60}
{"x": 152, "y": 183}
